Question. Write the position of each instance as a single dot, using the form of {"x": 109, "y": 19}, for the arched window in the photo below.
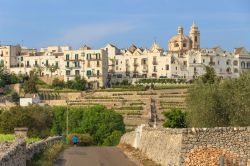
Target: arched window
{"x": 194, "y": 61}
{"x": 235, "y": 63}
{"x": 176, "y": 45}
{"x": 248, "y": 65}
{"x": 228, "y": 70}
{"x": 243, "y": 65}
{"x": 228, "y": 62}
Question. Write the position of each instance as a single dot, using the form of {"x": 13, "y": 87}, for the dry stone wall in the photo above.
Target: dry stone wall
{"x": 13, "y": 153}
{"x": 16, "y": 153}
{"x": 208, "y": 146}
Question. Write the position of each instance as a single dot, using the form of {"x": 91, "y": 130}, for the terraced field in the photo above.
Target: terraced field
{"x": 135, "y": 106}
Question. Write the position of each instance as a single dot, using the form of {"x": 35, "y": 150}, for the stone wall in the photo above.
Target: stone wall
{"x": 37, "y": 147}
{"x": 16, "y": 153}
{"x": 193, "y": 146}
{"x": 13, "y": 153}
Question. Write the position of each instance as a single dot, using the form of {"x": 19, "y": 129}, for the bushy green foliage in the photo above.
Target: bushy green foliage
{"x": 97, "y": 121}
{"x": 83, "y": 139}
{"x": 175, "y": 118}
{"x": 58, "y": 83}
{"x": 37, "y": 119}
{"x": 30, "y": 85}
{"x": 113, "y": 139}
{"x": 215, "y": 103}
{"x": 78, "y": 84}
{"x": 7, "y": 78}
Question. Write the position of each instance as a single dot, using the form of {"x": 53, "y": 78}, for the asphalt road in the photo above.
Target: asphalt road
{"x": 93, "y": 156}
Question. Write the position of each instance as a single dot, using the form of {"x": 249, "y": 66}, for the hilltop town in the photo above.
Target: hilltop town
{"x": 183, "y": 59}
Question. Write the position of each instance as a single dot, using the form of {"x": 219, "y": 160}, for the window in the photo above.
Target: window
{"x": 98, "y": 56}
{"x": 98, "y": 63}
{"x": 88, "y": 72}
{"x": 77, "y": 72}
{"x": 57, "y": 64}
{"x": 167, "y": 67}
{"x": 195, "y": 69}
{"x": 67, "y": 72}
{"x": 184, "y": 44}
{"x": 76, "y": 56}
{"x": 248, "y": 65}
{"x": 235, "y": 63}
{"x": 88, "y": 56}
{"x": 36, "y": 63}
{"x": 185, "y": 63}
{"x": 194, "y": 61}
{"x": 243, "y": 65}
{"x": 67, "y": 57}
{"x": 116, "y": 62}
{"x": 203, "y": 60}
{"x": 155, "y": 69}
{"x": 67, "y": 64}
{"x": 176, "y": 45}
{"x": 98, "y": 72}
{"x": 28, "y": 63}
{"x": 21, "y": 58}
{"x": 176, "y": 68}
{"x": 47, "y": 63}
{"x": 195, "y": 38}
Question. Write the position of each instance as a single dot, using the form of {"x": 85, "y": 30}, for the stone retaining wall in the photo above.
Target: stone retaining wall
{"x": 193, "y": 146}
{"x": 16, "y": 153}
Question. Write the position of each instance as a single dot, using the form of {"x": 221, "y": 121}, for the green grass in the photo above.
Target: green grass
{"x": 7, "y": 137}
{"x": 11, "y": 137}
{"x": 48, "y": 156}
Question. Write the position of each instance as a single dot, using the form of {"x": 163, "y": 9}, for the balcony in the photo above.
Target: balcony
{"x": 94, "y": 75}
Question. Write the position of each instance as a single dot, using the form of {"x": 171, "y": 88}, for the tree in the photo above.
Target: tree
{"x": 98, "y": 121}
{"x": 37, "y": 119}
{"x": 175, "y": 118}
{"x": 212, "y": 103}
{"x": 210, "y": 75}
{"x": 58, "y": 83}
{"x": 52, "y": 69}
{"x": 39, "y": 70}
{"x": 29, "y": 85}
{"x": 78, "y": 84}
{"x": 113, "y": 139}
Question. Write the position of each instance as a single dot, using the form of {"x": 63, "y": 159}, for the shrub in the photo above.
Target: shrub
{"x": 83, "y": 139}
{"x": 175, "y": 118}
{"x": 113, "y": 139}
{"x": 37, "y": 119}
{"x": 59, "y": 84}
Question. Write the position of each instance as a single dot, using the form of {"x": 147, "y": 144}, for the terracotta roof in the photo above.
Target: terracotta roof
{"x": 238, "y": 50}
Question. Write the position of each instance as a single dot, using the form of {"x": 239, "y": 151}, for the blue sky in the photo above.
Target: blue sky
{"x": 39, "y": 23}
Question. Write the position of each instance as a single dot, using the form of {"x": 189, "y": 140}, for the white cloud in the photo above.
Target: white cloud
{"x": 92, "y": 32}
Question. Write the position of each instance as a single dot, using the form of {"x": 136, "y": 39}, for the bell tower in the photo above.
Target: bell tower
{"x": 194, "y": 35}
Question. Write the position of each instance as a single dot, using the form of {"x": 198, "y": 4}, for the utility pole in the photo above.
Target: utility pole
{"x": 67, "y": 122}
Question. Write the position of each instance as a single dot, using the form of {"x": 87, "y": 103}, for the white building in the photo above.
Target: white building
{"x": 184, "y": 59}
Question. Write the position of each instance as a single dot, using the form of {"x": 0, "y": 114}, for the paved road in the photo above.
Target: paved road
{"x": 93, "y": 156}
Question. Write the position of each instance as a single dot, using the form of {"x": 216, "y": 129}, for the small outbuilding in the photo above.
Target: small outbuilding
{"x": 30, "y": 99}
